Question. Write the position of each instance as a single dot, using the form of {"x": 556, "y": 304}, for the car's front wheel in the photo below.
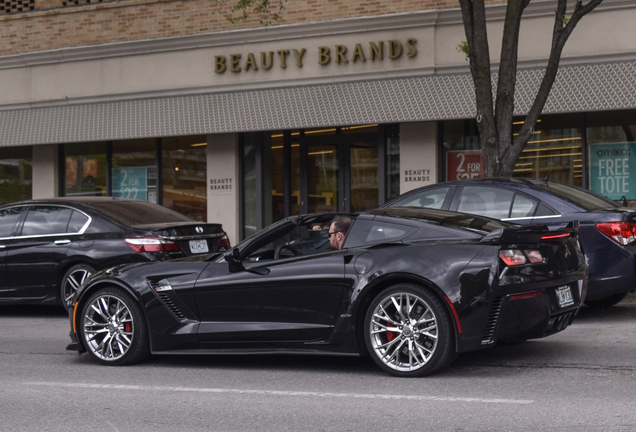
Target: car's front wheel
{"x": 113, "y": 328}
{"x": 409, "y": 332}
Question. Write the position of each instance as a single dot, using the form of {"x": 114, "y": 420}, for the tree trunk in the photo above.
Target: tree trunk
{"x": 500, "y": 149}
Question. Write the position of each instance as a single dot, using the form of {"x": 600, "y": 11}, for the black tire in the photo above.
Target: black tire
{"x": 414, "y": 352}
{"x": 606, "y": 302}
{"x": 113, "y": 329}
{"x": 71, "y": 281}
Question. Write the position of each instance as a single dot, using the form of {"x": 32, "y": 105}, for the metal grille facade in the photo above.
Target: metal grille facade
{"x": 592, "y": 87}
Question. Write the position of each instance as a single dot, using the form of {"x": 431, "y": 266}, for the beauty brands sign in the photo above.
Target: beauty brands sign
{"x": 339, "y": 54}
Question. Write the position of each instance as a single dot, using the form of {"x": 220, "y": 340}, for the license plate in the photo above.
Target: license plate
{"x": 564, "y": 296}
{"x": 199, "y": 246}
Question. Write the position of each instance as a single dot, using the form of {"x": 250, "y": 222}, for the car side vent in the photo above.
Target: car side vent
{"x": 165, "y": 298}
{"x": 163, "y": 289}
{"x": 495, "y": 311}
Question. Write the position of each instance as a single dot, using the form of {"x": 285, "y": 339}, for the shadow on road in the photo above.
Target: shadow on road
{"x": 279, "y": 363}
{"x": 619, "y": 312}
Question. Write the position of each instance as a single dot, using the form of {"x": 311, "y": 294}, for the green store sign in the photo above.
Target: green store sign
{"x": 613, "y": 170}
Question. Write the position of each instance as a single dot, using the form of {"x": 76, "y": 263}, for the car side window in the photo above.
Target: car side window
{"x": 8, "y": 219}
{"x": 523, "y": 206}
{"x": 486, "y": 201}
{"x": 544, "y": 210}
{"x": 302, "y": 239}
{"x": 77, "y": 222}
{"x": 430, "y": 199}
{"x": 372, "y": 232}
{"x": 43, "y": 220}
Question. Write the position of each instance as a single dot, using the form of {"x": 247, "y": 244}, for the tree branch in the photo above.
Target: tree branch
{"x": 560, "y": 34}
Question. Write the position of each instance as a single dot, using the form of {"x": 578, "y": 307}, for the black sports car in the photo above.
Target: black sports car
{"x": 410, "y": 287}
{"x": 49, "y": 247}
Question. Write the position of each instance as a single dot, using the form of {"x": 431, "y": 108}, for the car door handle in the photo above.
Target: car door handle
{"x": 61, "y": 242}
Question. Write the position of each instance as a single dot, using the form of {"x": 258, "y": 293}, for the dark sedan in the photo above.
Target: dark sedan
{"x": 607, "y": 230}
{"x": 48, "y": 248}
{"x": 410, "y": 287}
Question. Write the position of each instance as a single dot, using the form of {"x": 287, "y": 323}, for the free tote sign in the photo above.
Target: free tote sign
{"x": 611, "y": 170}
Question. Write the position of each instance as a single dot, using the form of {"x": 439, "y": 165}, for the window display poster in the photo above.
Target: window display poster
{"x": 464, "y": 165}
{"x": 130, "y": 182}
{"x": 611, "y": 170}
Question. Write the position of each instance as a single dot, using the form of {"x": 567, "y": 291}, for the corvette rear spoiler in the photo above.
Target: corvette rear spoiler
{"x": 530, "y": 234}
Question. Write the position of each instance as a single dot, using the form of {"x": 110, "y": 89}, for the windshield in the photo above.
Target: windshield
{"x": 588, "y": 200}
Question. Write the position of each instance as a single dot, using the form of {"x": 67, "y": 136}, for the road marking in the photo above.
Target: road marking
{"x": 282, "y": 393}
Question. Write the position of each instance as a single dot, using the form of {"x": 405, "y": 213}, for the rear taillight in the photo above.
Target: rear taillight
{"x": 515, "y": 257}
{"x": 222, "y": 243}
{"x": 150, "y": 244}
{"x": 622, "y": 233}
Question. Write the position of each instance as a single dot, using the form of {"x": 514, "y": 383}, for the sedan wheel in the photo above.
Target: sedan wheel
{"x": 72, "y": 280}
{"x": 113, "y": 328}
{"x": 408, "y": 331}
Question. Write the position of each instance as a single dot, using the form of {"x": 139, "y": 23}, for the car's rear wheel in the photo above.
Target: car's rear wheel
{"x": 71, "y": 281}
{"x": 409, "y": 332}
{"x": 606, "y": 302}
{"x": 113, "y": 328}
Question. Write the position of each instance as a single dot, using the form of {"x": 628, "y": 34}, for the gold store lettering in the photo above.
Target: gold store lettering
{"x": 340, "y": 54}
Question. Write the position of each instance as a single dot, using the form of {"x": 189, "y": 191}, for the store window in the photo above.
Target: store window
{"x": 612, "y": 155}
{"x": 16, "y": 170}
{"x": 184, "y": 175}
{"x": 321, "y": 170}
{"x": 128, "y": 169}
{"x": 135, "y": 169}
{"x": 85, "y": 169}
{"x": 392, "y": 161}
{"x": 555, "y": 149}
{"x": 250, "y": 173}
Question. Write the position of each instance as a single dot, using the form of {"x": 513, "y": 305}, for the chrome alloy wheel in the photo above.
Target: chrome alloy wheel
{"x": 403, "y": 331}
{"x": 73, "y": 280}
{"x": 108, "y": 327}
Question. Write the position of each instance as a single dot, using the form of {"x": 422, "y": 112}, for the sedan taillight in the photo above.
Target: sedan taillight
{"x": 151, "y": 244}
{"x": 622, "y": 233}
{"x": 222, "y": 243}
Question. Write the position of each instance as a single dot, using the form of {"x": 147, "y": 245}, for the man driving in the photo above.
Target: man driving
{"x": 337, "y": 231}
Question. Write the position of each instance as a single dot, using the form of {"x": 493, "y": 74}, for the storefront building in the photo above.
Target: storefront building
{"x": 245, "y": 125}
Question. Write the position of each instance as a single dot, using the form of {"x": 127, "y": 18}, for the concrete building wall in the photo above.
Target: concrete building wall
{"x": 222, "y": 179}
{"x": 45, "y": 171}
{"x": 418, "y": 155}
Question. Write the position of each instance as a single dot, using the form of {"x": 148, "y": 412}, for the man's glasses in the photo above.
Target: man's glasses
{"x": 335, "y": 232}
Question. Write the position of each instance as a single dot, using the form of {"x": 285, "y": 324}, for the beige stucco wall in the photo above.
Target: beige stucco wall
{"x": 45, "y": 174}
{"x": 187, "y": 65}
{"x": 222, "y": 179}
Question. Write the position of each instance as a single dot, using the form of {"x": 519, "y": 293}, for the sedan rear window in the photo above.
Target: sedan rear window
{"x": 133, "y": 213}
{"x": 581, "y": 197}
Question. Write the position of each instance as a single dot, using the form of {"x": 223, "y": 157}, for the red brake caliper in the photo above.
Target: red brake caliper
{"x": 389, "y": 335}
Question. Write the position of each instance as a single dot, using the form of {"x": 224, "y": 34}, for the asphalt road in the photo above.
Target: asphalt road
{"x": 583, "y": 379}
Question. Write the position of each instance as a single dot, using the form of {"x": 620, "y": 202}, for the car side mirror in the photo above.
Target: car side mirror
{"x": 233, "y": 258}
